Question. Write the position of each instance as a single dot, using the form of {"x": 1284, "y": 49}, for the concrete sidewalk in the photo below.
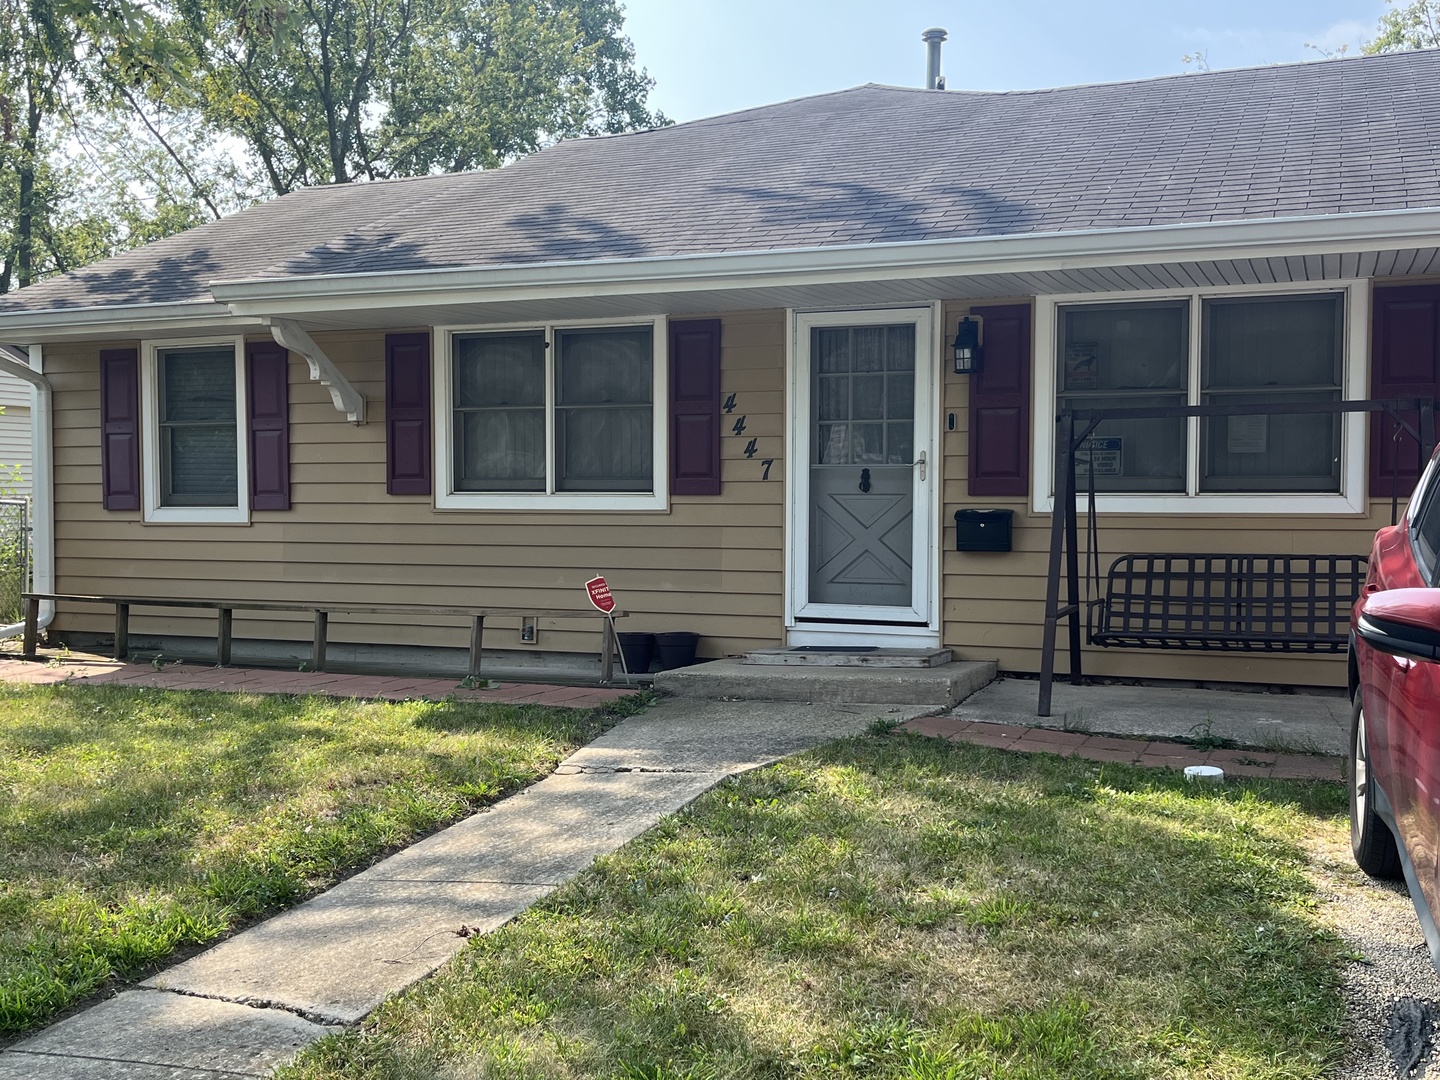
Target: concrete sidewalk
{"x": 253, "y": 1001}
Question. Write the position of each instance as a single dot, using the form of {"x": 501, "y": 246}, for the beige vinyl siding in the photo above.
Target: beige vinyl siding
{"x": 994, "y": 602}
{"x": 712, "y": 564}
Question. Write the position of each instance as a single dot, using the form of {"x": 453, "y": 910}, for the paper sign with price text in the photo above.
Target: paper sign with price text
{"x": 599, "y": 593}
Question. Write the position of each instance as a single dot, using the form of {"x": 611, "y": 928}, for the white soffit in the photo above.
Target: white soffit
{"x": 393, "y": 312}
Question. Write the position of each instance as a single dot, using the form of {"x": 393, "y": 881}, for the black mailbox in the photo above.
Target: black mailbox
{"x": 983, "y": 530}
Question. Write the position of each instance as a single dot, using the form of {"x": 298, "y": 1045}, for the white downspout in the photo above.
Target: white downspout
{"x": 29, "y": 367}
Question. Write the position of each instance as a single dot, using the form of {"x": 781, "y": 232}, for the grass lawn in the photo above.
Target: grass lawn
{"x": 894, "y": 906}
{"x": 134, "y": 822}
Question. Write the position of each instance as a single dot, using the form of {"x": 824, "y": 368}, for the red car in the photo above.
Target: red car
{"x": 1395, "y": 688}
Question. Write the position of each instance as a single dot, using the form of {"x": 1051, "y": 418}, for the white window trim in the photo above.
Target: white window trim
{"x": 447, "y": 498}
{"x": 1351, "y": 499}
{"x": 150, "y": 439}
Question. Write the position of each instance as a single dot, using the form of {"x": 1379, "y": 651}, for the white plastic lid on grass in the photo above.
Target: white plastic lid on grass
{"x": 1205, "y": 774}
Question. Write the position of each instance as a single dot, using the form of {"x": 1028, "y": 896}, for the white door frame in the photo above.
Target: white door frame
{"x": 808, "y": 623}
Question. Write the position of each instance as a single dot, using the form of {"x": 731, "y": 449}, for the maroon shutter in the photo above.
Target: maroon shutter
{"x": 1404, "y": 362}
{"x": 407, "y": 414}
{"x": 695, "y": 407}
{"x": 1000, "y": 404}
{"x": 267, "y": 371}
{"x": 120, "y": 428}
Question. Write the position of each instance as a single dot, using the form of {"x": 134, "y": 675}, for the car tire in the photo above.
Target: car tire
{"x": 1370, "y": 838}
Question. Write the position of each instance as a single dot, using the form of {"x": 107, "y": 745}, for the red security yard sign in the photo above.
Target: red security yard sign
{"x": 599, "y": 593}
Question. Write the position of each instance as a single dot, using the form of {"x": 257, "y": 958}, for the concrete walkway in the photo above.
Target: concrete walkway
{"x": 94, "y": 670}
{"x": 1287, "y": 723}
{"x": 253, "y": 1001}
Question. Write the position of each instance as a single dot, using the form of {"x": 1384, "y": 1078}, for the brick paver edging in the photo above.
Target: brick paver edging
{"x": 1156, "y": 753}
{"x": 181, "y": 676}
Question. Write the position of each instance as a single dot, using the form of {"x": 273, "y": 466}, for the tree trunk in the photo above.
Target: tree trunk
{"x": 25, "y": 217}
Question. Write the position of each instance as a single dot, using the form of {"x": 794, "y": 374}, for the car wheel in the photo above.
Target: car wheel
{"x": 1370, "y": 838}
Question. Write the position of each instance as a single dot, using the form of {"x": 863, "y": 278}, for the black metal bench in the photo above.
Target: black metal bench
{"x": 1253, "y": 603}
{"x": 320, "y": 613}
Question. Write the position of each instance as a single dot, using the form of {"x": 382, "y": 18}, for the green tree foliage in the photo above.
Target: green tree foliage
{"x": 56, "y": 58}
{"x": 1415, "y": 25}
{"x": 330, "y": 91}
{"x": 123, "y": 121}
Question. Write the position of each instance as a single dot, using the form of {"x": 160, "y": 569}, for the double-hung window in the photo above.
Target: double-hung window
{"x": 194, "y": 460}
{"x": 552, "y": 416}
{"x": 1226, "y": 349}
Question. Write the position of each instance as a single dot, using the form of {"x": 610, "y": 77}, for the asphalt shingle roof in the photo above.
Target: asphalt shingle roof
{"x": 873, "y": 164}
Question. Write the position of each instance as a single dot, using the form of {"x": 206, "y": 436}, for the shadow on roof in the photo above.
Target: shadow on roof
{"x": 171, "y": 280}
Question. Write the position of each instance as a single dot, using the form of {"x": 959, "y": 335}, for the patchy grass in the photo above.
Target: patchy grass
{"x": 134, "y": 822}
{"x": 893, "y": 906}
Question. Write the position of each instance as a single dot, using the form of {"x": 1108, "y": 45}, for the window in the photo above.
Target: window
{"x": 194, "y": 459}
{"x": 1220, "y": 349}
{"x": 1425, "y": 525}
{"x": 555, "y": 415}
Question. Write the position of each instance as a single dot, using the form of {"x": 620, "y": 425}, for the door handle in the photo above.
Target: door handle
{"x": 864, "y": 479}
{"x": 920, "y": 463}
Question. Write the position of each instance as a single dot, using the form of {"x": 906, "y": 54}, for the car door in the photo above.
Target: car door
{"x": 1402, "y": 705}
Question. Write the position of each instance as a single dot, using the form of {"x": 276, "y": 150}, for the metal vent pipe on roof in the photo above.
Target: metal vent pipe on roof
{"x": 932, "y": 38}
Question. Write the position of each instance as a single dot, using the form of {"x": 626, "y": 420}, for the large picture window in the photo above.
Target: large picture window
{"x": 1213, "y": 350}
{"x": 194, "y": 460}
{"x": 562, "y": 414}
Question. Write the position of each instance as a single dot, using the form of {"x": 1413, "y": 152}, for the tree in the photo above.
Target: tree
{"x": 329, "y": 91}
{"x": 54, "y": 55}
{"x": 1410, "y": 26}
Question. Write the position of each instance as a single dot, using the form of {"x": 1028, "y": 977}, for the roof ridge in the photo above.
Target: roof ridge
{"x": 1178, "y": 75}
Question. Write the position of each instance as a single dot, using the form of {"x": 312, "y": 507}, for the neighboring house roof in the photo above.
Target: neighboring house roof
{"x": 870, "y": 165}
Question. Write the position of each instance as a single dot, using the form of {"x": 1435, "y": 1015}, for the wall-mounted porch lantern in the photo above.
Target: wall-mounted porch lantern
{"x": 967, "y": 347}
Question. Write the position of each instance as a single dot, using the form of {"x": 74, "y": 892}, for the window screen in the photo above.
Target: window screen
{"x": 1271, "y": 350}
{"x": 1127, "y": 356}
{"x": 499, "y": 401}
{"x": 864, "y": 394}
{"x": 604, "y": 415}
{"x": 198, "y": 440}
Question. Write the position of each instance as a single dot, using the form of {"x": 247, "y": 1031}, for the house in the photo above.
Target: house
{"x": 713, "y": 362}
{"x": 15, "y": 467}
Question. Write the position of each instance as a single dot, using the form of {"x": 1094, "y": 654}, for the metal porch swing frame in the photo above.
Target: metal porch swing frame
{"x": 1074, "y": 426}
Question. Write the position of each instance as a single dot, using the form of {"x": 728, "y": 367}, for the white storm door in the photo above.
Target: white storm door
{"x": 864, "y": 467}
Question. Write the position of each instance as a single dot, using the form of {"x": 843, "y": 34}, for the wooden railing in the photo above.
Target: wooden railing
{"x": 225, "y": 611}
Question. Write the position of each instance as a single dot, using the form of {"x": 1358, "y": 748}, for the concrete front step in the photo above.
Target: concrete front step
{"x": 864, "y": 656}
{"x": 735, "y": 680}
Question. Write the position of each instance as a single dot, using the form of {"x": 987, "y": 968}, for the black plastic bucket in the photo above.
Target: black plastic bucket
{"x": 676, "y": 649}
{"x": 638, "y": 650}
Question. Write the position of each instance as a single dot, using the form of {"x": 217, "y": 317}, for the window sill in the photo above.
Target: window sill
{"x": 1259, "y": 503}
{"x": 197, "y": 515}
{"x": 540, "y": 501}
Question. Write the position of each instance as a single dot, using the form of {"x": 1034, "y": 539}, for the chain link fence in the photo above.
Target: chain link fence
{"x": 14, "y": 556}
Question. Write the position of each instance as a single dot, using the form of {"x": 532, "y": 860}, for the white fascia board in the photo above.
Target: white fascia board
{"x": 121, "y": 320}
{"x": 1019, "y": 253}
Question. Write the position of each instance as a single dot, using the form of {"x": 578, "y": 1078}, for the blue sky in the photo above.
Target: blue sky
{"x": 714, "y": 56}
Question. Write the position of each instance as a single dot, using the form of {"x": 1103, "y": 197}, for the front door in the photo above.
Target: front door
{"x": 862, "y": 527}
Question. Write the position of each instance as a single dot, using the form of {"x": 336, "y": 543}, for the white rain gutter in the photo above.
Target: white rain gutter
{"x": 27, "y": 364}
{"x": 1014, "y": 253}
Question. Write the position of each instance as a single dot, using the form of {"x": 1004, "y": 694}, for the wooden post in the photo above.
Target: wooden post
{"x": 122, "y": 631}
{"x": 607, "y": 650}
{"x": 32, "y": 626}
{"x": 224, "y": 636}
{"x": 317, "y": 654}
{"x": 477, "y": 638}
